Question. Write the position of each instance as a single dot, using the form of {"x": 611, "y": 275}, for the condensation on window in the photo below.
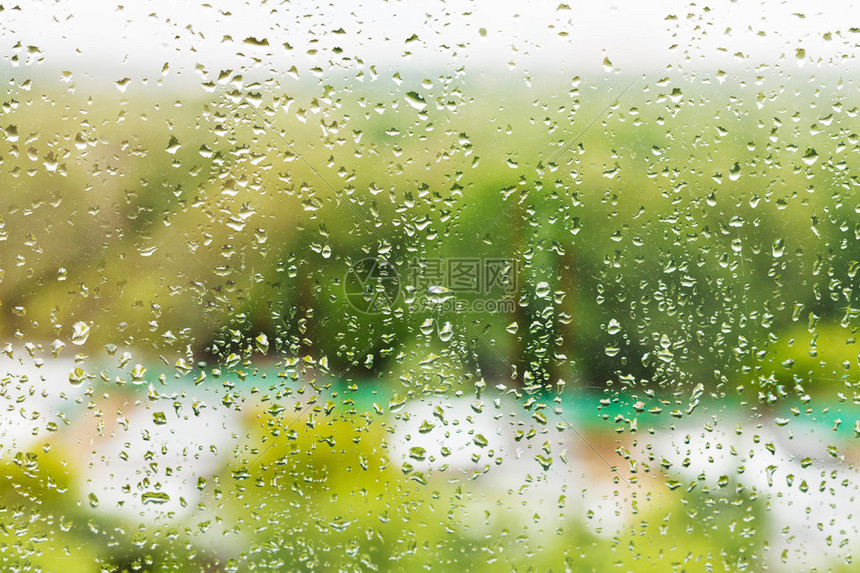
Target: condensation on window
{"x": 459, "y": 286}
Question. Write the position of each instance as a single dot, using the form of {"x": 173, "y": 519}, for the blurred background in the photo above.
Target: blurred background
{"x": 229, "y": 344}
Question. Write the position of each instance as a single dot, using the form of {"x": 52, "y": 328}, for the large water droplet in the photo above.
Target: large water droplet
{"x": 439, "y": 294}
{"x": 446, "y": 332}
{"x": 156, "y": 497}
{"x": 80, "y": 332}
{"x": 542, "y": 289}
{"x": 416, "y": 101}
{"x": 77, "y": 376}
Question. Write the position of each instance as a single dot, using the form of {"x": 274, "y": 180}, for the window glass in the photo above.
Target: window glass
{"x": 458, "y": 286}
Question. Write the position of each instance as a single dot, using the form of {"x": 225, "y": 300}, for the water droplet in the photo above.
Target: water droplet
{"x": 446, "y": 332}
{"x": 778, "y": 248}
{"x": 138, "y": 373}
{"x": 262, "y": 343}
{"x": 80, "y": 332}
{"x": 416, "y": 101}
{"x": 154, "y": 497}
{"x": 77, "y": 376}
{"x": 439, "y": 294}
{"x": 542, "y": 289}
{"x": 427, "y": 326}
{"x": 735, "y": 171}
{"x": 607, "y": 65}
{"x": 810, "y": 157}
{"x": 172, "y": 145}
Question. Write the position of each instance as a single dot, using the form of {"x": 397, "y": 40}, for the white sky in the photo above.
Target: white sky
{"x": 98, "y": 39}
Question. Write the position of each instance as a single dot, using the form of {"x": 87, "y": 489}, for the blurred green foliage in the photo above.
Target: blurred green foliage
{"x": 326, "y": 495}
{"x": 722, "y": 240}
{"x": 192, "y": 226}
